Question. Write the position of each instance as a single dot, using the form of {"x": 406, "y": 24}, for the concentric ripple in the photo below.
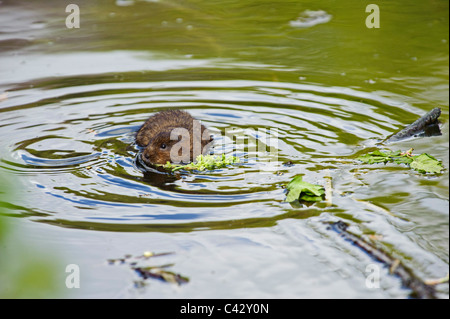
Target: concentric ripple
{"x": 77, "y": 149}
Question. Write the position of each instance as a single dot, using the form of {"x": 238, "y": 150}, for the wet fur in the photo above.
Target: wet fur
{"x": 156, "y": 131}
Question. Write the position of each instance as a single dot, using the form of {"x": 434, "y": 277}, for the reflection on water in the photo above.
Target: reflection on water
{"x": 70, "y": 115}
{"x": 310, "y": 18}
{"x": 316, "y": 129}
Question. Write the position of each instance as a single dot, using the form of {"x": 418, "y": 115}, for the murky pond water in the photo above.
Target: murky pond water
{"x": 308, "y": 81}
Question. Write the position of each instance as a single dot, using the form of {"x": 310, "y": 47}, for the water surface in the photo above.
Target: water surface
{"x": 328, "y": 89}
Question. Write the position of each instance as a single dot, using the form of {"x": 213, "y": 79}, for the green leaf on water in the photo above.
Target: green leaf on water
{"x": 205, "y": 162}
{"x": 402, "y": 160}
{"x": 298, "y": 189}
{"x": 380, "y": 157}
{"x": 374, "y": 157}
{"x": 423, "y": 163}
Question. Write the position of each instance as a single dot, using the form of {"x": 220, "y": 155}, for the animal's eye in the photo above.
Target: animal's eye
{"x": 163, "y": 146}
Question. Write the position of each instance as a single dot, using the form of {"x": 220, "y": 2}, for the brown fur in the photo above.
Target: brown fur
{"x": 155, "y": 133}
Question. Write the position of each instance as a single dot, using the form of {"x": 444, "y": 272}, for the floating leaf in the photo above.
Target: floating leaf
{"x": 426, "y": 163}
{"x": 379, "y": 157}
{"x": 402, "y": 160}
{"x": 298, "y": 189}
{"x": 423, "y": 163}
{"x": 205, "y": 162}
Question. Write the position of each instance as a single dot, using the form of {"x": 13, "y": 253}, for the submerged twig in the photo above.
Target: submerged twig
{"x": 437, "y": 281}
{"x": 3, "y": 96}
{"x": 373, "y": 206}
{"x": 154, "y": 272}
{"x": 328, "y": 190}
{"x": 157, "y": 272}
{"x": 419, "y": 288}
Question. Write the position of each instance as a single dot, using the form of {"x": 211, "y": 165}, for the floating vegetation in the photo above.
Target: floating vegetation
{"x": 423, "y": 163}
{"x": 304, "y": 191}
{"x": 204, "y": 162}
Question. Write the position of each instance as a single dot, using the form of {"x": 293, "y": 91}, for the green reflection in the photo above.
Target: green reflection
{"x": 26, "y": 271}
{"x": 187, "y": 227}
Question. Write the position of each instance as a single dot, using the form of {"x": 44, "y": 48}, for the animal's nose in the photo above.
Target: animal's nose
{"x": 146, "y": 155}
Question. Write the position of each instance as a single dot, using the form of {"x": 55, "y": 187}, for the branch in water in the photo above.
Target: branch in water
{"x": 427, "y": 125}
{"x": 419, "y": 288}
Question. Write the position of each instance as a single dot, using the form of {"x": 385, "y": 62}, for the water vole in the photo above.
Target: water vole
{"x": 172, "y": 136}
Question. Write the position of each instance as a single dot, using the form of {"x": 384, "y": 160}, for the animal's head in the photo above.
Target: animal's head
{"x": 158, "y": 151}
{"x": 175, "y": 145}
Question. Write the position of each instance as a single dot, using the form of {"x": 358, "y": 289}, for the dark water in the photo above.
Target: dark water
{"x": 316, "y": 94}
